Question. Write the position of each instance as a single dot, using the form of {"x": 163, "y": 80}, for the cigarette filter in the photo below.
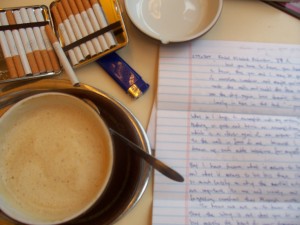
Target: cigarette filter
{"x": 62, "y": 57}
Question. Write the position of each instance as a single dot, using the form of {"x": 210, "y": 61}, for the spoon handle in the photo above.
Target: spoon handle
{"x": 154, "y": 162}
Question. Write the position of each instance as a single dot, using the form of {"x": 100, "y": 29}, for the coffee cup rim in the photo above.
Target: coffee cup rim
{"x": 11, "y": 212}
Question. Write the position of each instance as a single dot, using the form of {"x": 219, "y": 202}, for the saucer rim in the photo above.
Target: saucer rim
{"x": 58, "y": 85}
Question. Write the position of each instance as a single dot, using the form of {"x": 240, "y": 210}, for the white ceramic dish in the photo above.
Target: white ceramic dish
{"x": 174, "y": 20}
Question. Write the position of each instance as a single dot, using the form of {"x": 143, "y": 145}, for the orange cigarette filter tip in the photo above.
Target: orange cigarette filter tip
{"x": 86, "y": 4}
{"x": 54, "y": 61}
{"x": 80, "y": 5}
{"x": 30, "y": 56}
{"x": 47, "y": 61}
{"x": 16, "y": 58}
{"x": 94, "y": 2}
{"x": 18, "y": 65}
{"x": 32, "y": 62}
{"x": 50, "y": 34}
{"x": 11, "y": 67}
{"x": 67, "y": 7}
{"x": 10, "y": 17}
{"x": 52, "y": 55}
{"x": 61, "y": 11}
{"x": 56, "y": 14}
{"x": 73, "y": 7}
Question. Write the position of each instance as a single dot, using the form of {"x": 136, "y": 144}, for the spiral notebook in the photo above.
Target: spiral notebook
{"x": 228, "y": 120}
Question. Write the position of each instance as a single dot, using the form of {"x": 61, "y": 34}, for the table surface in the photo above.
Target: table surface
{"x": 241, "y": 20}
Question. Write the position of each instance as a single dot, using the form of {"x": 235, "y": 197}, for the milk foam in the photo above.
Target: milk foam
{"x": 54, "y": 160}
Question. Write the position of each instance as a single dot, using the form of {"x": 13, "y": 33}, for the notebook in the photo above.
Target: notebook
{"x": 227, "y": 119}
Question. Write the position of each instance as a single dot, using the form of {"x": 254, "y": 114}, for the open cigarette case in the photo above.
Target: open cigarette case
{"x": 86, "y": 30}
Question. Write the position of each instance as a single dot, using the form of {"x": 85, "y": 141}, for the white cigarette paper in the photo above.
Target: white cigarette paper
{"x": 69, "y": 31}
{"x": 90, "y": 30}
{"x": 7, "y": 55}
{"x": 72, "y": 39}
{"x": 33, "y": 41}
{"x": 23, "y": 33}
{"x": 40, "y": 18}
{"x": 4, "y": 45}
{"x": 63, "y": 32}
{"x": 15, "y": 39}
{"x": 40, "y": 41}
{"x": 75, "y": 12}
{"x": 54, "y": 61}
{"x": 73, "y": 56}
{"x": 78, "y": 35}
{"x": 96, "y": 27}
{"x": 62, "y": 57}
{"x": 103, "y": 23}
{"x": 14, "y": 53}
{"x": 31, "y": 37}
{"x": 36, "y": 30}
{"x": 10, "y": 41}
{"x": 26, "y": 44}
{"x": 84, "y": 32}
{"x": 75, "y": 27}
{"x": 78, "y": 7}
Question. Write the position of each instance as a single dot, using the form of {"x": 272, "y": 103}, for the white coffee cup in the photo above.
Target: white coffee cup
{"x": 56, "y": 159}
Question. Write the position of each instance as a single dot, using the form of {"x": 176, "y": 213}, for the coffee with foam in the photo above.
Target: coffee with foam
{"x": 55, "y": 158}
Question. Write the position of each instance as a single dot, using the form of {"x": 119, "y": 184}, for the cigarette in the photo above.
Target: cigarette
{"x": 10, "y": 20}
{"x": 13, "y": 48}
{"x": 90, "y": 45}
{"x": 63, "y": 32}
{"x": 95, "y": 24}
{"x": 76, "y": 29}
{"x": 62, "y": 57}
{"x": 33, "y": 42}
{"x": 53, "y": 58}
{"x": 8, "y": 57}
{"x": 103, "y": 22}
{"x": 88, "y": 25}
{"x": 69, "y": 30}
{"x": 40, "y": 41}
{"x": 25, "y": 41}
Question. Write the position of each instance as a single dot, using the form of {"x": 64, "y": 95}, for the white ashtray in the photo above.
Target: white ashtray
{"x": 174, "y": 20}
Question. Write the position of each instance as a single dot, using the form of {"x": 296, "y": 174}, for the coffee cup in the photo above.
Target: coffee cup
{"x": 56, "y": 159}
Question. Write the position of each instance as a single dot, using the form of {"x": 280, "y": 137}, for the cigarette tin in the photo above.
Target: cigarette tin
{"x": 115, "y": 25}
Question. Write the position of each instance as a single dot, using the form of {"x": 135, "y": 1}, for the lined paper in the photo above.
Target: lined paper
{"x": 228, "y": 120}
{"x": 230, "y": 77}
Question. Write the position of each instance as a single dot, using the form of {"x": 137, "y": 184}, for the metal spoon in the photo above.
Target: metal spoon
{"x": 156, "y": 163}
